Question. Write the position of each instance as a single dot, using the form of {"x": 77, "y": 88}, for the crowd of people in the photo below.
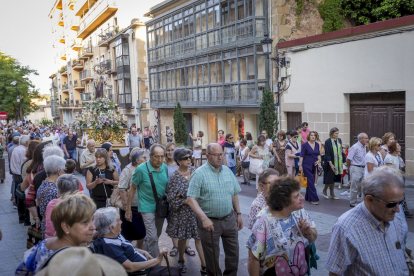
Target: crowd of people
{"x": 124, "y": 214}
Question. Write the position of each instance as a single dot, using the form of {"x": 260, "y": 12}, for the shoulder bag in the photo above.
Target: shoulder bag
{"x": 116, "y": 199}
{"x": 302, "y": 180}
{"x": 162, "y": 205}
{"x": 256, "y": 166}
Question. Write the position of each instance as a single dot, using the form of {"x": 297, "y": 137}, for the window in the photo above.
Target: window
{"x": 214, "y": 38}
{"x": 259, "y": 7}
{"x": 261, "y": 67}
{"x": 191, "y": 76}
{"x": 168, "y": 33}
{"x": 188, "y": 25}
{"x": 178, "y": 29}
{"x": 240, "y": 10}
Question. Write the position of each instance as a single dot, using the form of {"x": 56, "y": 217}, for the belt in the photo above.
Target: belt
{"x": 359, "y": 166}
{"x": 221, "y": 217}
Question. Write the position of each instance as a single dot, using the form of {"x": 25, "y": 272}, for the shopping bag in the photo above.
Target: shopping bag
{"x": 302, "y": 180}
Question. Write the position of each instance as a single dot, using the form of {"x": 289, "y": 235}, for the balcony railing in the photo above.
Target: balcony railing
{"x": 86, "y": 74}
{"x": 207, "y": 97}
{"x": 71, "y": 4}
{"x": 63, "y": 70}
{"x": 107, "y": 34}
{"x": 78, "y": 85}
{"x": 65, "y": 87}
{"x": 85, "y": 96}
{"x": 77, "y": 64}
{"x": 85, "y": 51}
{"x": 98, "y": 14}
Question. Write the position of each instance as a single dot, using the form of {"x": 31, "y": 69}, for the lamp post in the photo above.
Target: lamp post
{"x": 14, "y": 83}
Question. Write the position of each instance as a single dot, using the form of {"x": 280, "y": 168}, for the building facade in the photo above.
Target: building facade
{"x": 358, "y": 80}
{"x": 207, "y": 55}
{"x": 100, "y": 52}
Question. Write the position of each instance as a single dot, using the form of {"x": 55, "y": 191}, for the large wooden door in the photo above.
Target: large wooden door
{"x": 378, "y": 113}
{"x": 294, "y": 119}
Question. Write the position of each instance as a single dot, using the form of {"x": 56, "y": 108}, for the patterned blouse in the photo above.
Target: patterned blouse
{"x": 257, "y": 205}
{"x": 34, "y": 259}
{"x": 47, "y": 191}
{"x": 279, "y": 244}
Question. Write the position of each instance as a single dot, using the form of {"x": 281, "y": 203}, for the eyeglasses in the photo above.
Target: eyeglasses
{"x": 216, "y": 154}
{"x": 295, "y": 136}
{"x": 185, "y": 158}
{"x": 389, "y": 204}
{"x": 231, "y": 137}
{"x": 158, "y": 156}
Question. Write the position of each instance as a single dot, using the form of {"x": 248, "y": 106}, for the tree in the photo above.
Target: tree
{"x": 46, "y": 122}
{"x": 267, "y": 113}
{"x": 180, "y": 133}
{"x": 11, "y": 70}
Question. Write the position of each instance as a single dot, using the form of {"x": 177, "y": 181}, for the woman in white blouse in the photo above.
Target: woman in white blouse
{"x": 373, "y": 159}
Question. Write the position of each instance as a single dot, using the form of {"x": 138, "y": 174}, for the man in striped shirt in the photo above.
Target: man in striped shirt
{"x": 370, "y": 239}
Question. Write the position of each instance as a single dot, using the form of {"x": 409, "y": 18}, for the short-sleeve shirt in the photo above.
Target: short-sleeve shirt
{"x": 214, "y": 190}
{"x": 393, "y": 160}
{"x": 279, "y": 244}
{"x": 357, "y": 154}
{"x": 70, "y": 144}
{"x": 125, "y": 182}
{"x": 360, "y": 245}
{"x": 141, "y": 178}
{"x": 135, "y": 141}
{"x": 375, "y": 159}
{"x": 120, "y": 249}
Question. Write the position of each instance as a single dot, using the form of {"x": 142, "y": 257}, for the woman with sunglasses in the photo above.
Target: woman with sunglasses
{"x": 373, "y": 159}
{"x": 230, "y": 153}
{"x": 182, "y": 224}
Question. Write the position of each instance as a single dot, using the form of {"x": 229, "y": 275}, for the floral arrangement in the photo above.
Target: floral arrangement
{"x": 99, "y": 114}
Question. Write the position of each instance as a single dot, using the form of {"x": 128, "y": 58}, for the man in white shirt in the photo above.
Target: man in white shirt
{"x": 88, "y": 156}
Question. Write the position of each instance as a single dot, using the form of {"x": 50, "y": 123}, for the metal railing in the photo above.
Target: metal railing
{"x": 77, "y": 84}
{"x": 86, "y": 74}
{"x": 108, "y": 33}
{"x": 93, "y": 12}
{"x": 85, "y": 50}
{"x": 85, "y": 96}
{"x": 77, "y": 62}
{"x": 65, "y": 86}
{"x": 63, "y": 69}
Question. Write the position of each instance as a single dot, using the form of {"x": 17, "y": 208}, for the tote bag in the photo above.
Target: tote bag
{"x": 256, "y": 166}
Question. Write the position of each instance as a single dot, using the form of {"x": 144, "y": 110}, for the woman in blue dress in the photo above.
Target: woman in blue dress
{"x": 310, "y": 158}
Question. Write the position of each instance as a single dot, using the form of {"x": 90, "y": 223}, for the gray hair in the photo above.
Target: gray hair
{"x": 104, "y": 218}
{"x": 360, "y": 135}
{"x": 154, "y": 146}
{"x": 90, "y": 141}
{"x": 179, "y": 153}
{"x": 379, "y": 181}
{"x": 51, "y": 150}
{"x": 15, "y": 140}
{"x": 25, "y": 132}
{"x": 67, "y": 183}
{"x": 53, "y": 164}
{"x": 24, "y": 139}
{"x": 135, "y": 156}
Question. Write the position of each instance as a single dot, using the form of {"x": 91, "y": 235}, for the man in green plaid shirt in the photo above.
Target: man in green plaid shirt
{"x": 212, "y": 195}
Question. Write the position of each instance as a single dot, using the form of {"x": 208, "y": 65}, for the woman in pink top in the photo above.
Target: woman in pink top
{"x": 66, "y": 184}
{"x": 221, "y": 138}
{"x": 147, "y": 134}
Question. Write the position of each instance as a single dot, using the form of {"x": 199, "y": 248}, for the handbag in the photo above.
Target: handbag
{"x": 19, "y": 193}
{"x": 34, "y": 236}
{"x": 162, "y": 205}
{"x": 302, "y": 180}
{"x": 256, "y": 166}
{"x": 245, "y": 164}
{"x": 116, "y": 199}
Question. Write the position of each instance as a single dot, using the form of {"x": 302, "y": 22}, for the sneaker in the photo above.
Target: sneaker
{"x": 334, "y": 197}
{"x": 346, "y": 193}
{"x": 352, "y": 205}
{"x": 325, "y": 196}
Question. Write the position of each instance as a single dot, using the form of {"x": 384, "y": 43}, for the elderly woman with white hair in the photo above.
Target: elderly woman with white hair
{"x": 48, "y": 137}
{"x": 135, "y": 229}
{"x": 66, "y": 184}
{"x": 54, "y": 167}
{"x": 112, "y": 244}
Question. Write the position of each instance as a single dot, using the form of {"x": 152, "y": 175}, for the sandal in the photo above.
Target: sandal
{"x": 203, "y": 270}
{"x": 189, "y": 251}
{"x": 174, "y": 251}
{"x": 182, "y": 268}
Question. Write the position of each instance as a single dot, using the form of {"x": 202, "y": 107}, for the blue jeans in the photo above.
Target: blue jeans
{"x": 72, "y": 154}
{"x": 233, "y": 169}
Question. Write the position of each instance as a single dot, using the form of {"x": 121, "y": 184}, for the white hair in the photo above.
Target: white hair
{"x": 90, "y": 141}
{"x": 104, "y": 218}
{"x": 379, "y": 181}
{"x": 24, "y": 139}
{"x": 50, "y": 150}
{"x": 53, "y": 164}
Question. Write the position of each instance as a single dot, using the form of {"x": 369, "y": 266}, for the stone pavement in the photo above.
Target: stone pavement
{"x": 325, "y": 214}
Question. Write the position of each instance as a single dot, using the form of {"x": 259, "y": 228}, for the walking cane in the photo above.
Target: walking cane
{"x": 168, "y": 264}
{"x": 214, "y": 254}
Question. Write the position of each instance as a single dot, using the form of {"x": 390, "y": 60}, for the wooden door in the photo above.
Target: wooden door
{"x": 294, "y": 119}
{"x": 377, "y": 114}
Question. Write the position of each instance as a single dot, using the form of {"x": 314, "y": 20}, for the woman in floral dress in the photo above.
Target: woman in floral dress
{"x": 279, "y": 149}
{"x": 182, "y": 224}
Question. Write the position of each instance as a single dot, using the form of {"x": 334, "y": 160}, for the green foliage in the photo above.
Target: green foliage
{"x": 299, "y": 8}
{"x": 180, "y": 134}
{"x": 46, "y": 122}
{"x": 267, "y": 113}
{"x": 332, "y": 15}
{"x": 11, "y": 70}
{"x": 362, "y": 12}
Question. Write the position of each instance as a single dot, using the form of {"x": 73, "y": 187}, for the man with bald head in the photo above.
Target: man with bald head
{"x": 88, "y": 156}
{"x": 212, "y": 195}
{"x": 355, "y": 161}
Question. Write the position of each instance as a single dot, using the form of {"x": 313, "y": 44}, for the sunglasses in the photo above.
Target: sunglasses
{"x": 185, "y": 158}
{"x": 295, "y": 136}
{"x": 389, "y": 204}
{"x": 231, "y": 137}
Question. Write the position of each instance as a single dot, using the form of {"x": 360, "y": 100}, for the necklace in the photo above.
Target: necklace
{"x": 186, "y": 174}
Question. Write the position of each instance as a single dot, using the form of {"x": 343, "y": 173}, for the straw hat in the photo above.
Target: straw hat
{"x": 80, "y": 261}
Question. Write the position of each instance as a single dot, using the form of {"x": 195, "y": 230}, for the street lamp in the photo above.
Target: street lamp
{"x": 14, "y": 83}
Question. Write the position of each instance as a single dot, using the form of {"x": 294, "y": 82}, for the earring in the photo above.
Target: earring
{"x": 67, "y": 233}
